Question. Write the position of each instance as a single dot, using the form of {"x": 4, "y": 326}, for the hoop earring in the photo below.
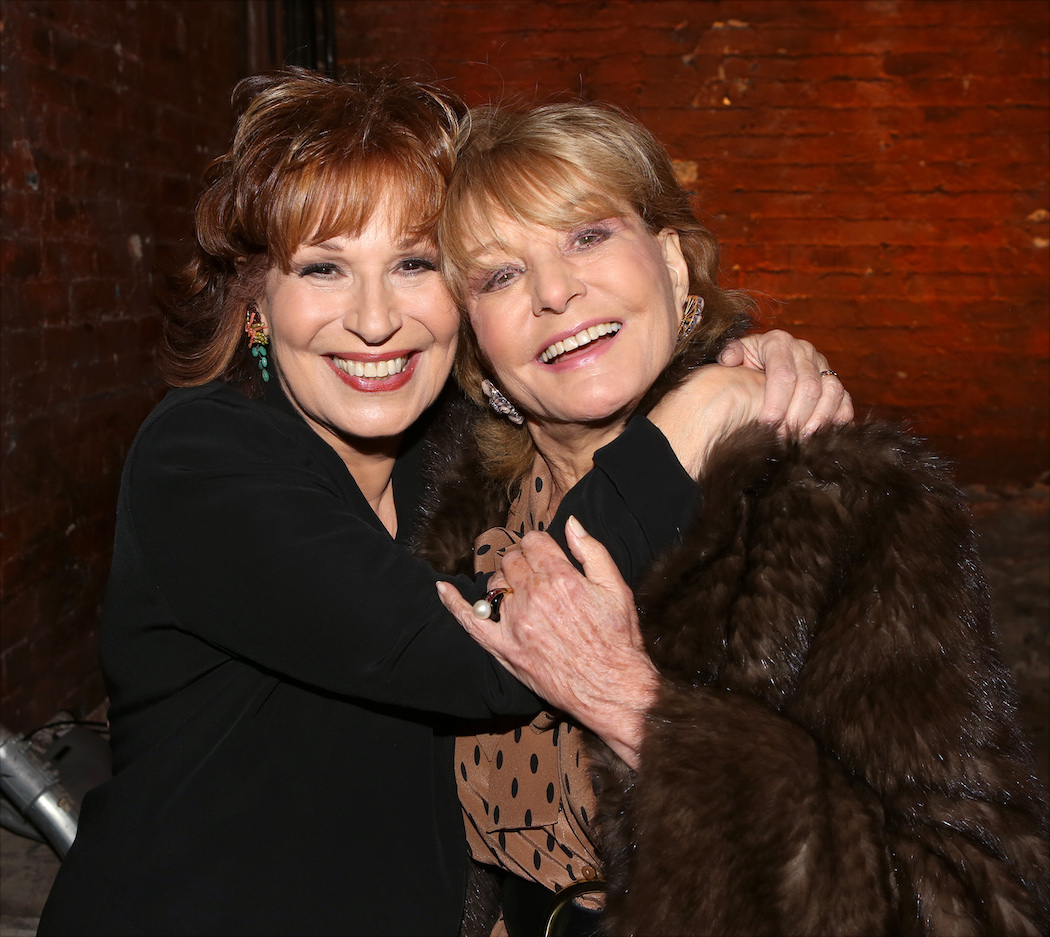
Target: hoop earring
{"x": 257, "y": 338}
{"x": 501, "y": 404}
{"x": 692, "y": 313}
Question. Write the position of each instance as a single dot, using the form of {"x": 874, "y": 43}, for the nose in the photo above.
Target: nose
{"x": 372, "y": 313}
{"x": 555, "y": 284}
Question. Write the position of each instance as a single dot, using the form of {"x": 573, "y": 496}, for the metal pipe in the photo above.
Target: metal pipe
{"x": 34, "y": 789}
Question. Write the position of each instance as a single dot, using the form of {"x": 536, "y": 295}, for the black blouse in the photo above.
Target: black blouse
{"x": 284, "y": 683}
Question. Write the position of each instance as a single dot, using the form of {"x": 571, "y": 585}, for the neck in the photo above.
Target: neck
{"x": 568, "y": 449}
{"x": 371, "y": 462}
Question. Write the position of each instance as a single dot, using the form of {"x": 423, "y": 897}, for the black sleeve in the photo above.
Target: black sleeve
{"x": 636, "y": 500}
{"x": 264, "y": 547}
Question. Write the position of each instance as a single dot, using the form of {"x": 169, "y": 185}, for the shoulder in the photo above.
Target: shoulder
{"x": 214, "y": 428}
{"x": 210, "y": 407}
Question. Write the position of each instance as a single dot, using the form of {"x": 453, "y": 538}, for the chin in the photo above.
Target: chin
{"x": 602, "y": 408}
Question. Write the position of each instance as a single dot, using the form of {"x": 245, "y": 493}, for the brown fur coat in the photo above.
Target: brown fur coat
{"x": 834, "y": 749}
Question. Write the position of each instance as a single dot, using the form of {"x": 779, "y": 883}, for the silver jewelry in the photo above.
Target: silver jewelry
{"x": 829, "y": 371}
{"x": 488, "y": 607}
{"x": 501, "y": 404}
{"x": 692, "y": 313}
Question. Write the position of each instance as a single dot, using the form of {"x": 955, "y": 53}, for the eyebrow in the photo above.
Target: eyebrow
{"x": 407, "y": 243}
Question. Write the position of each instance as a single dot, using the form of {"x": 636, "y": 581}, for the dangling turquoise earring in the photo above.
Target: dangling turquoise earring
{"x": 257, "y": 338}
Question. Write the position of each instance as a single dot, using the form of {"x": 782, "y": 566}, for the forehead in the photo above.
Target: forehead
{"x": 386, "y": 218}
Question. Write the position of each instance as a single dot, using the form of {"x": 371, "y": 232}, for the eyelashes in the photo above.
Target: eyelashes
{"x": 417, "y": 264}
{"x": 409, "y": 265}
{"x": 491, "y": 281}
{"x": 581, "y": 239}
{"x": 318, "y": 269}
{"x": 594, "y": 234}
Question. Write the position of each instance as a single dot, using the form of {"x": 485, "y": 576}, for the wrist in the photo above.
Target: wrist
{"x": 624, "y": 724}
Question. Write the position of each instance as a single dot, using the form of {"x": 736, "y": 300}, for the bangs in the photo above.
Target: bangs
{"x": 324, "y": 201}
{"x": 546, "y": 190}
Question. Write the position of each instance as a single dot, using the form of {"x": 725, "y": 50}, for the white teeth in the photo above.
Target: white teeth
{"x": 371, "y": 368}
{"x": 579, "y": 339}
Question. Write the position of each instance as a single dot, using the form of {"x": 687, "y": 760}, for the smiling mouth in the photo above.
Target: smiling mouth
{"x": 371, "y": 369}
{"x": 581, "y": 338}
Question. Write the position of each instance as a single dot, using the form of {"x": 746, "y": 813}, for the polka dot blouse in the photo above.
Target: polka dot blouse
{"x": 526, "y": 792}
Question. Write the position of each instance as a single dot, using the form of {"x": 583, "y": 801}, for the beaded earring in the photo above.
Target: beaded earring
{"x": 501, "y": 404}
{"x": 257, "y": 338}
{"x": 692, "y": 313}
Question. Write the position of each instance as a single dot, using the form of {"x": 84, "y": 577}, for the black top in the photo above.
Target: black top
{"x": 283, "y": 681}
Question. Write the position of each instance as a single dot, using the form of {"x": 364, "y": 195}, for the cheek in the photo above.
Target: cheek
{"x": 291, "y": 319}
{"x": 485, "y": 335}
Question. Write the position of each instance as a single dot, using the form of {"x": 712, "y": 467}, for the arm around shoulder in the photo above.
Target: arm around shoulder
{"x": 262, "y": 545}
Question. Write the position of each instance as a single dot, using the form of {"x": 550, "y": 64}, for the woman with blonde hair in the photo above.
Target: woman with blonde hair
{"x": 282, "y": 677}
{"x": 800, "y": 721}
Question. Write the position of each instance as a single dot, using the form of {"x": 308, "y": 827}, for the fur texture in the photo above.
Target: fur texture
{"x": 834, "y": 749}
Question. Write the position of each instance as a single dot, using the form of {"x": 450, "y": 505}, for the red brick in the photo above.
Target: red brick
{"x": 875, "y": 171}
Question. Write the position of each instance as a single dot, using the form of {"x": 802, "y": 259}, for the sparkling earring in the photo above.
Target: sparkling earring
{"x": 692, "y": 313}
{"x": 501, "y": 404}
{"x": 257, "y": 338}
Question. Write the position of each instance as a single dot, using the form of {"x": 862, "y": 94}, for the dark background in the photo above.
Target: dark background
{"x": 878, "y": 171}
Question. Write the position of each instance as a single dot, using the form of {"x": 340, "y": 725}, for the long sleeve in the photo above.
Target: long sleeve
{"x": 281, "y": 679}
{"x": 834, "y": 749}
{"x": 636, "y": 500}
{"x": 259, "y": 541}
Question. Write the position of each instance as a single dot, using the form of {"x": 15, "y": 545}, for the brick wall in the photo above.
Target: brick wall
{"x": 110, "y": 111}
{"x": 878, "y": 170}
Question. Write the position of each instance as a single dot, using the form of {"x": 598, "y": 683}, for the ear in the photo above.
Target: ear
{"x": 257, "y": 306}
{"x": 678, "y": 269}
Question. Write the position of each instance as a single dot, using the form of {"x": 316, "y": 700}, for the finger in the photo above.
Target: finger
{"x": 515, "y": 569}
{"x": 781, "y": 378}
{"x": 598, "y": 566}
{"x": 806, "y": 399}
{"x": 785, "y": 359}
{"x": 732, "y": 355}
{"x": 544, "y": 555}
{"x": 489, "y": 634}
{"x": 460, "y": 608}
{"x": 845, "y": 412}
{"x": 826, "y": 407}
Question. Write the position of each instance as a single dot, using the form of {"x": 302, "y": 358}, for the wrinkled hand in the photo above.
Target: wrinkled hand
{"x": 711, "y": 403}
{"x": 797, "y": 399}
{"x": 572, "y": 639}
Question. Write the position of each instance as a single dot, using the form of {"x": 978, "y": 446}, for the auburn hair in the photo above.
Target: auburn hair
{"x": 311, "y": 158}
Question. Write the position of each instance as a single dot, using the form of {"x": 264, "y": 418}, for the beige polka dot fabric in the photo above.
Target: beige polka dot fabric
{"x": 526, "y": 793}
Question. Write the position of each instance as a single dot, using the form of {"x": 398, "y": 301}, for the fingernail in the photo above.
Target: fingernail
{"x": 576, "y": 527}
{"x": 442, "y": 588}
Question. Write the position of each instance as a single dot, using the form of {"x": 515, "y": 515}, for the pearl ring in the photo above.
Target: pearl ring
{"x": 488, "y": 607}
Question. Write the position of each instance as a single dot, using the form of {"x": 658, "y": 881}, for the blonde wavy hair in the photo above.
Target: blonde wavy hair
{"x": 311, "y": 158}
{"x": 560, "y": 165}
